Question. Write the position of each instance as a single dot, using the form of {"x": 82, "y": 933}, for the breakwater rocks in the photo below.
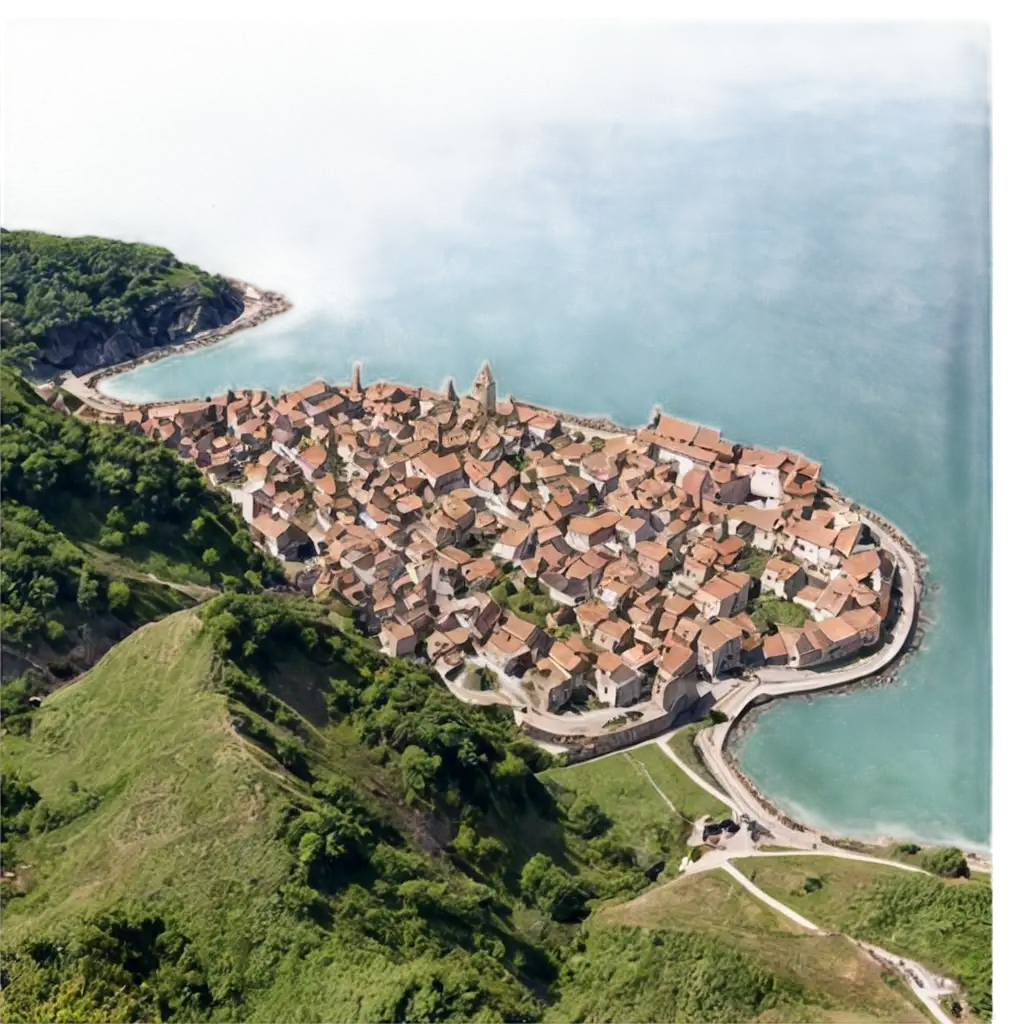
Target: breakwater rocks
{"x": 600, "y": 424}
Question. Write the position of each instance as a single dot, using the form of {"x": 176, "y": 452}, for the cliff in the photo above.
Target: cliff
{"x": 173, "y": 318}
{"x": 80, "y": 304}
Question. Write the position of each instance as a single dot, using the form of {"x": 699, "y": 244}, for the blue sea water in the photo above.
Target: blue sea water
{"x": 808, "y": 267}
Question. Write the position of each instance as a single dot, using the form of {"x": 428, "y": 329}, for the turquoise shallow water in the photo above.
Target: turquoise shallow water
{"x": 808, "y": 268}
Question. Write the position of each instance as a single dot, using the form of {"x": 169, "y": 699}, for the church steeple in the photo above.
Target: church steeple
{"x": 485, "y": 390}
{"x": 357, "y": 383}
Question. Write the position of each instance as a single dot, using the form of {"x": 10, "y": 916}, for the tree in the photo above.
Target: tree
{"x": 552, "y": 889}
{"x": 210, "y": 557}
{"x": 88, "y": 591}
{"x": 419, "y": 770}
{"x": 587, "y": 818}
{"x": 42, "y": 592}
{"x": 947, "y": 862}
{"x": 119, "y": 594}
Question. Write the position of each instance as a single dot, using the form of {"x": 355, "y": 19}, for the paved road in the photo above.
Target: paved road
{"x": 928, "y": 987}
{"x": 780, "y": 682}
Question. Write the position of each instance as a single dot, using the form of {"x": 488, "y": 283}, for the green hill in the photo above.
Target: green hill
{"x": 182, "y": 844}
{"x": 81, "y": 303}
{"x": 102, "y": 530}
{"x": 945, "y": 923}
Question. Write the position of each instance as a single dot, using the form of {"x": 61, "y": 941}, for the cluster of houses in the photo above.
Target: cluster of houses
{"x": 471, "y": 531}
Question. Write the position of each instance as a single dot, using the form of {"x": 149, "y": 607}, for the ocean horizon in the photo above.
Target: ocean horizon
{"x": 782, "y": 233}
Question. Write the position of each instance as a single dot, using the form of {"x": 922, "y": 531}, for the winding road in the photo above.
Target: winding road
{"x": 781, "y": 682}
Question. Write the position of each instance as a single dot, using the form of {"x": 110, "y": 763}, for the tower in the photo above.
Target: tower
{"x": 485, "y": 390}
{"x": 449, "y": 391}
{"x": 357, "y": 384}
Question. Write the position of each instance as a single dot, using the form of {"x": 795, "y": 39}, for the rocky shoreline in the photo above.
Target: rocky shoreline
{"x": 258, "y": 306}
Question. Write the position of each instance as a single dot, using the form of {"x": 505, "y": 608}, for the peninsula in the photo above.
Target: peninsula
{"x": 606, "y": 583}
{"x": 337, "y": 805}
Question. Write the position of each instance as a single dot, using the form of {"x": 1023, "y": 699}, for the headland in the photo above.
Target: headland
{"x": 606, "y": 582}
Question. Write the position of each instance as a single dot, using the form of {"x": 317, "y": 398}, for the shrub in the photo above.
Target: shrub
{"x": 947, "y": 862}
{"x": 552, "y": 889}
{"x": 587, "y": 818}
{"x": 118, "y": 594}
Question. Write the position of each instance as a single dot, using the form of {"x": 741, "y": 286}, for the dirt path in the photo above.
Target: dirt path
{"x": 662, "y": 742}
{"x": 926, "y": 985}
{"x": 642, "y": 768}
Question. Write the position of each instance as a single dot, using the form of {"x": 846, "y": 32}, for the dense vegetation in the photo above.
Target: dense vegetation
{"x": 81, "y": 500}
{"x": 51, "y": 282}
{"x": 242, "y": 813}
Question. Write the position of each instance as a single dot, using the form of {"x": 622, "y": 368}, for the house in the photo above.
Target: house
{"x": 867, "y": 622}
{"x": 559, "y": 675}
{"x": 312, "y": 461}
{"x": 783, "y": 579}
{"x": 613, "y": 635}
{"x": 569, "y": 592}
{"x": 698, "y": 563}
{"x": 765, "y": 472}
{"x": 632, "y": 530}
{"x": 838, "y": 597}
{"x": 552, "y": 683}
{"x": 844, "y": 639}
{"x": 569, "y": 661}
{"x": 801, "y": 651}
{"x": 872, "y": 567}
{"x": 719, "y": 648}
{"x": 655, "y": 559}
{"x": 506, "y": 653}
{"x": 443, "y": 473}
{"x": 722, "y": 596}
{"x": 774, "y": 651}
{"x": 811, "y": 542}
{"x": 617, "y": 684}
{"x": 398, "y": 639}
{"x": 675, "y": 685}
{"x": 282, "y": 538}
{"x": 533, "y": 636}
{"x": 586, "y": 532}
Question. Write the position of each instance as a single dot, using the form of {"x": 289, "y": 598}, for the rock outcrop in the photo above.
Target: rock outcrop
{"x": 173, "y": 318}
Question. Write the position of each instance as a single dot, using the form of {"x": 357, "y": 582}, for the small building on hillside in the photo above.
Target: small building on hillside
{"x": 282, "y": 538}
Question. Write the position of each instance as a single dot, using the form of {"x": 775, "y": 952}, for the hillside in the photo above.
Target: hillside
{"x": 186, "y": 846}
{"x": 82, "y": 303}
{"x": 945, "y": 923}
{"x": 103, "y": 530}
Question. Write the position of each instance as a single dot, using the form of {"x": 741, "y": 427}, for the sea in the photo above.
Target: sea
{"x": 779, "y": 231}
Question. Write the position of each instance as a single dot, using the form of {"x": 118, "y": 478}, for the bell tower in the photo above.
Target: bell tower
{"x": 485, "y": 390}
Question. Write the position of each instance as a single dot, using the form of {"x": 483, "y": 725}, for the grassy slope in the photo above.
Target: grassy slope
{"x": 839, "y": 983}
{"x": 185, "y": 828}
{"x": 640, "y": 817}
{"x": 683, "y": 743}
{"x": 178, "y": 789}
{"x": 945, "y": 924}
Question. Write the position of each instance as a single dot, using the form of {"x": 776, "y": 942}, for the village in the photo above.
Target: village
{"x": 591, "y": 577}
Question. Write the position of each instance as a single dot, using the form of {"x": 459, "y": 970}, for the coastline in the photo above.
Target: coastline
{"x": 259, "y": 305}
{"x": 880, "y": 668}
